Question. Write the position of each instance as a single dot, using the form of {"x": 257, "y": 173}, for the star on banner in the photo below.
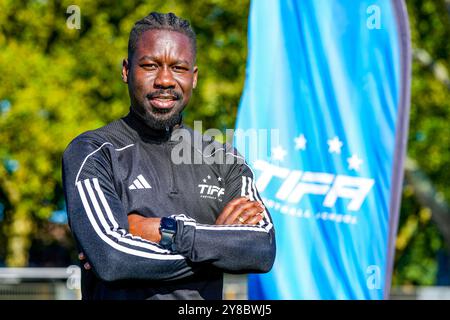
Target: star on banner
{"x": 335, "y": 145}
{"x": 354, "y": 162}
{"x": 300, "y": 142}
{"x": 278, "y": 153}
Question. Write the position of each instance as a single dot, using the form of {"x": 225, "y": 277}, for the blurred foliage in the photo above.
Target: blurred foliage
{"x": 419, "y": 241}
{"x": 58, "y": 82}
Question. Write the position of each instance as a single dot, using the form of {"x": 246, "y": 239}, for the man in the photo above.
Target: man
{"x": 150, "y": 228}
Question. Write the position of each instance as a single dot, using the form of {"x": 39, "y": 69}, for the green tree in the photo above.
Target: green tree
{"x": 420, "y": 238}
{"x": 59, "y": 82}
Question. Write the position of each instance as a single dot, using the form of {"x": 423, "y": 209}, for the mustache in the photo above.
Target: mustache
{"x": 164, "y": 92}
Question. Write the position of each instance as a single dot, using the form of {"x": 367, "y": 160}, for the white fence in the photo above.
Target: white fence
{"x": 40, "y": 283}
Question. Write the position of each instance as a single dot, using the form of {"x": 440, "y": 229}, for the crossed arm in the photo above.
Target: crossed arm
{"x": 237, "y": 211}
{"x": 240, "y": 211}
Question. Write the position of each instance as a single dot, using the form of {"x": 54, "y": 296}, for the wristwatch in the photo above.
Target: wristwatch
{"x": 168, "y": 230}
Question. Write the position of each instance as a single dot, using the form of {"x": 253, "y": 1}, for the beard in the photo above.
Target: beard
{"x": 161, "y": 119}
{"x": 157, "y": 118}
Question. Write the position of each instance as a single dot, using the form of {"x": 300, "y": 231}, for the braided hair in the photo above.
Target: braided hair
{"x": 160, "y": 21}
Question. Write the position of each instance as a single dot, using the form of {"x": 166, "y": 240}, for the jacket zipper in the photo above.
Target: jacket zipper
{"x": 172, "y": 183}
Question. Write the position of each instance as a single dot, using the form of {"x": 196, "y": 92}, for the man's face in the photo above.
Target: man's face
{"x": 160, "y": 75}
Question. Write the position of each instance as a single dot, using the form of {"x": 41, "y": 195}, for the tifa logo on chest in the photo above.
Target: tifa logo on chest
{"x": 209, "y": 190}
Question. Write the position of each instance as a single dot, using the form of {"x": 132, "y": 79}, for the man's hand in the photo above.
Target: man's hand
{"x": 146, "y": 228}
{"x": 82, "y": 258}
{"x": 241, "y": 211}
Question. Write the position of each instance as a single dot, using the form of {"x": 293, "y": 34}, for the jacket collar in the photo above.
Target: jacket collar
{"x": 147, "y": 133}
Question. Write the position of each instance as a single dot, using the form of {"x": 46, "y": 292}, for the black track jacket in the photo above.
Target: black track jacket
{"x": 127, "y": 167}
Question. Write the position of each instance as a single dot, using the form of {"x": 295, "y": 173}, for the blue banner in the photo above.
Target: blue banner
{"x": 330, "y": 81}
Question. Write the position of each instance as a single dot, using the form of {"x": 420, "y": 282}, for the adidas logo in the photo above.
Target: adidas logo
{"x": 140, "y": 183}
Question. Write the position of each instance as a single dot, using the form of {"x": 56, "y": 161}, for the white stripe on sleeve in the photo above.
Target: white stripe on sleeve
{"x": 105, "y": 238}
